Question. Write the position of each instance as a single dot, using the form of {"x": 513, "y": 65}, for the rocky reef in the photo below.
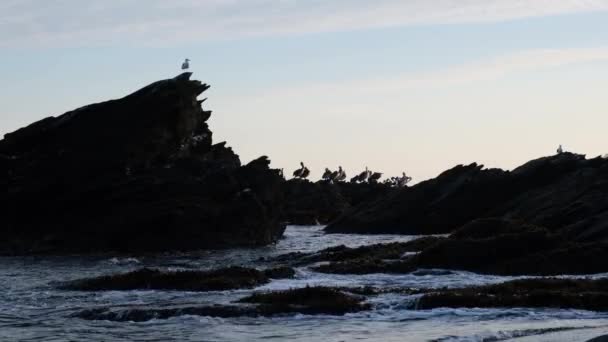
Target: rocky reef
{"x": 564, "y": 192}
{"x": 136, "y": 174}
{"x": 152, "y": 279}
{"x": 308, "y": 300}
{"x": 584, "y": 294}
{"x": 546, "y": 217}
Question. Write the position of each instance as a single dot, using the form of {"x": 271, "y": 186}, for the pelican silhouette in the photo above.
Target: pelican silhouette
{"x": 560, "y": 149}
{"x": 402, "y": 181}
{"x": 302, "y": 172}
{"x": 186, "y": 64}
{"x": 341, "y": 174}
{"x": 326, "y": 175}
{"x": 375, "y": 177}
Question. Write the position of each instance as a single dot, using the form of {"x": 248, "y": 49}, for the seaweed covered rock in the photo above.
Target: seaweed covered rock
{"x": 381, "y": 251}
{"x": 488, "y": 246}
{"x": 136, "y": 174}
{"x": 507, "y": 247}
{"x": 584, "y": 294}
{"x": 151, "y": 279}
{"x": 309, "y": 301}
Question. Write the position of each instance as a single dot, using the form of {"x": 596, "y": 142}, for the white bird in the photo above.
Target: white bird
{"x": 186, "y": 64}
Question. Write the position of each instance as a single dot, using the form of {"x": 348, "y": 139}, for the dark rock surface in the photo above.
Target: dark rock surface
{"x": 393, "y": 250}
{"x": 489, "y": 246}
{"x": 546, "y": 217}
{"x": 584, "y": 294}
{"x": 506, "y": 247}
{"x": 137, "y": 174}
{"x": 309, "y": 301}
{"x": 310, "y": 203}
{"x": 151, "y": 279}
{"x": 564, "y": 192}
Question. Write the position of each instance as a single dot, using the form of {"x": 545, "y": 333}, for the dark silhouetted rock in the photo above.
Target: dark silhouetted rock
{"x": 565, "y": 192}
{"x": 137, "y": 174}
{"x": 393, "y": 250}
{"x": 497, "y": 246}
{"x": 309, "y": 301}
{"x": 152, "y": 279}
{"x": 584, "y": 294}
{"x": 310, "y": 203}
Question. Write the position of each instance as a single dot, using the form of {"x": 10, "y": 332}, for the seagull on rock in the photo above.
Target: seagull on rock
{"x": 186, "y": 64}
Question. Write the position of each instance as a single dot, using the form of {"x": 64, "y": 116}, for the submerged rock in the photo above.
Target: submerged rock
{"x": 584, "y": 294}
{"x": 381, "y": 251}
{"x": 151, "y": 279}
{"x": 137, "y": 174}
{"x": 309, "y": 301}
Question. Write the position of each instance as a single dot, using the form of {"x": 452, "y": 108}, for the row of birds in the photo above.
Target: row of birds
{"x": 366, "y": 176}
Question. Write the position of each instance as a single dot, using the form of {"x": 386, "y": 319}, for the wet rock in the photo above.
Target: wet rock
{"x": 309, "y": 301}
{"x": 584, "y": 294}
{"x": 138, "y": 314}
{"x": 152, "y": 279}
{"x": 394, "y": 250}
{"x": 366, "y": 266}
{"x": 506, "y": 247}
{"x": 564, "y": 192}
{"x": 136, "y": 174}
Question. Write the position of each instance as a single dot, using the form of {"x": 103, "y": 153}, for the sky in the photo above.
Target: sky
{"x": 412, "y": 85}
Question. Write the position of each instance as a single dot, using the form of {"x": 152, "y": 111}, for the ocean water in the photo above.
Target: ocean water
{"x": 32, "y": 309}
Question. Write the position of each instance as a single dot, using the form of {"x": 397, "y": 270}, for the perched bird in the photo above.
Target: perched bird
{"x": 402, "y": 181}
{"x": 341, "y": 175}
{"x": 302, "y": 172}
{"x": 375, "y": 177}
{"x": 186, "y": 64}
{"x": 326, "y": 175}
{"x": 305, "y": 173}
{"x": 363, "y": 176}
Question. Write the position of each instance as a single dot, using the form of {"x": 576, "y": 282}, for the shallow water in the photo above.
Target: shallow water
{"x": 31, "y": 309}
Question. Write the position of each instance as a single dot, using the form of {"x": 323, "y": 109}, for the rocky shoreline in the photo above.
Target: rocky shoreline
{"x": 142, "y": 175}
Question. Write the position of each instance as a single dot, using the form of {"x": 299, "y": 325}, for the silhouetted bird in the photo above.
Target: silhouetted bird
{"x": 560, "y": 149}
{"x": 341, "y": 174}
{"x": 402, "y": 181}
{"x": 363, "y": 176}
{"x": 302, "y": 172}
{"x": 375, "y": 177}
{"x": 326, "y": 175}
{"x": 186, "y": 64}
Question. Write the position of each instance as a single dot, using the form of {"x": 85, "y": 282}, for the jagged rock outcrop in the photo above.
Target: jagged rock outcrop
{"x": 310, "y": 203}
{"x": 137, "y": 174}
{"x": 565, "y": 193}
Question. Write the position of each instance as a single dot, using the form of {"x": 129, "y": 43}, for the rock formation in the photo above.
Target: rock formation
{"x": 309, "y": 203}
{"x": 137, "y": 174}
{"x": 565, "y": 193}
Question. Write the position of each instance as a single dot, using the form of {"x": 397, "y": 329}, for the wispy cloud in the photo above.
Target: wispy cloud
{"x": 481, "y": 70}
{"x": 158, "y": 22}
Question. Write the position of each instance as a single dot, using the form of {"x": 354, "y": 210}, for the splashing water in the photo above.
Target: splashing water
{"x": 32, "y": 309}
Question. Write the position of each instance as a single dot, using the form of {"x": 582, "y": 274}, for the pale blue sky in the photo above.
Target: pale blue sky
{"x": 414, "y": 85}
